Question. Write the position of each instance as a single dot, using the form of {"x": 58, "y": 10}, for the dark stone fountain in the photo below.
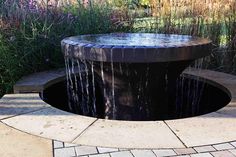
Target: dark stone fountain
{"x": 128, "y": 76}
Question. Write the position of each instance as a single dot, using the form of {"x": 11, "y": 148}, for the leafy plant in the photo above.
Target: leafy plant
{"x": 31, "y": 30}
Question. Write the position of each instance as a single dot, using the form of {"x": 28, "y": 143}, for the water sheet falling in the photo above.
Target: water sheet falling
{"x": 92, "y": 84}
{"x": 135, "y": 76}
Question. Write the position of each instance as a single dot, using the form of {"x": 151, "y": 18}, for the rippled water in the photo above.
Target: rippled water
{"x": 136, "y": 39}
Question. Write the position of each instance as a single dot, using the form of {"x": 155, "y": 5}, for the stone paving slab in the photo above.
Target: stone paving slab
{"x": 233, "y": 144}
{"x": 70, "y": 144}
{"x": 14, "y": 143}
{"x": 57, "y": 144}
{"x": 229, "y": 111}
{"x": 100, "y": 155}
{"x": 219, "y": 77}
{"x": 51, "y": 123}
{"x": 164, "y": 152}
{"x": 122, "y": 154}
{"x": 223, "y": 146}
{"x": 222, "y": 154}
{"x": 233, "y": 151}
{"x": 143, "y": 153}
{"x": 203, "y": 149}
{"x": 184, "y": 151}
{"x": 106, "y": 150}
{"x": 204, "y": 130}
{"x": 207, "y": 151}
{"x": 85, "y": 150}
{"x": 15, "y": 104}
{"x": 201, "y": 155}
{"x": 37, "y": 82}
{"x": 110, "y": 133}
{"x": 66, "y": 152}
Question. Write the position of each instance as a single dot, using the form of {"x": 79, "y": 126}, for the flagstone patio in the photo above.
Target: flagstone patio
{"x": 30, "y": 126}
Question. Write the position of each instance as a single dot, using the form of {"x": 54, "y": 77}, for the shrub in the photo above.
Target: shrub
{"x": 215, "y": 20}
{"x": 30, "y": 35}
{"x": 31, "y": 30}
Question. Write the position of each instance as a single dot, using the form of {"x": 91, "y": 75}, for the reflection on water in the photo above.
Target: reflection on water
{"x": 136, "y": 39}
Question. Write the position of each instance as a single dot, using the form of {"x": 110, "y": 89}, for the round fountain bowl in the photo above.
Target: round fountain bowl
{"x": 135, "y": 73}
{"x": 136, "y": 47}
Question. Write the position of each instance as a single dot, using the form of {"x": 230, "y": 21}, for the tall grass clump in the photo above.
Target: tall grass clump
{"x": 213, "y": 19}
{"x": 30, "y": 39}
{"x": 31, "y": 31}
{"x": 91, "y": 18}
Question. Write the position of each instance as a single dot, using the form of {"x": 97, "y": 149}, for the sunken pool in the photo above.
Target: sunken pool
{"x": 194, "y": 97}
{"x": 134, "y": 76}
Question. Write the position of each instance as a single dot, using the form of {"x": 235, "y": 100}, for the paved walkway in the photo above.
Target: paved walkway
{"x": 62, "y": 149}
{"x": 14, "y": 143}
{"x": 29, "y": 113}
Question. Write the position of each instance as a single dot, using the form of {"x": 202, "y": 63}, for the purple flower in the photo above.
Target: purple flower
{"x": 32, "y": 5}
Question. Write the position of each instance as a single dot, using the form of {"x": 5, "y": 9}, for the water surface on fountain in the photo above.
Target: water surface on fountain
{"x": 137, "y": 39}
{"x": 135, "y": 74}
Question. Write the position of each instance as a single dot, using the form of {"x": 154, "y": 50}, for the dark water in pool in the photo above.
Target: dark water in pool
{"x": 189, "y": 93}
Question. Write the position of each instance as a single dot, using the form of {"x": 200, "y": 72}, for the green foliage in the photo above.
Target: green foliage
{"x": 8, "y": 66}
{"x": 29, "y": 41}
{"x": 93, "y": 19}
{"x": 31, "y": 34}
{"x": 30, "y": 31}
{"x": 121, "y": 3}
{"x": 144, "y": 2}
{"x": 216, "y": 21}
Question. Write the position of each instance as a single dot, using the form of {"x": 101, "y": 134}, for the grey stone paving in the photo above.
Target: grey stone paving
{"x": 164, "y": 152}
{"x": 233, "y": 143}
{"x": 142, "y": 153}
{"x": 203, "y": 149}
{"x": 65, "y": 152}
{"x": 201, "y": 155}
{"x": 222, "y": 154}
{"x": 37, "y": 82}
{"x": 184, "y": 151}
{"x": 223, "y": 146}
{"x": 233, "y": 151}
{"x": 62, "y": 149}
{"x": 85, "y": 150}
{"x": 106, "y": 150}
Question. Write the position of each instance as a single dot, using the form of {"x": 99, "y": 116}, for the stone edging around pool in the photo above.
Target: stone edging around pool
{"x": 28, "y": 113}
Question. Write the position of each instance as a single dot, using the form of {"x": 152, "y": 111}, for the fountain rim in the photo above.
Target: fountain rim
{"x": 74, "y": 48}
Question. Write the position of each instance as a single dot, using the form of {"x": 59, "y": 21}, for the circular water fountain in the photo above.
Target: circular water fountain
{"x": 129, "y": 76}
